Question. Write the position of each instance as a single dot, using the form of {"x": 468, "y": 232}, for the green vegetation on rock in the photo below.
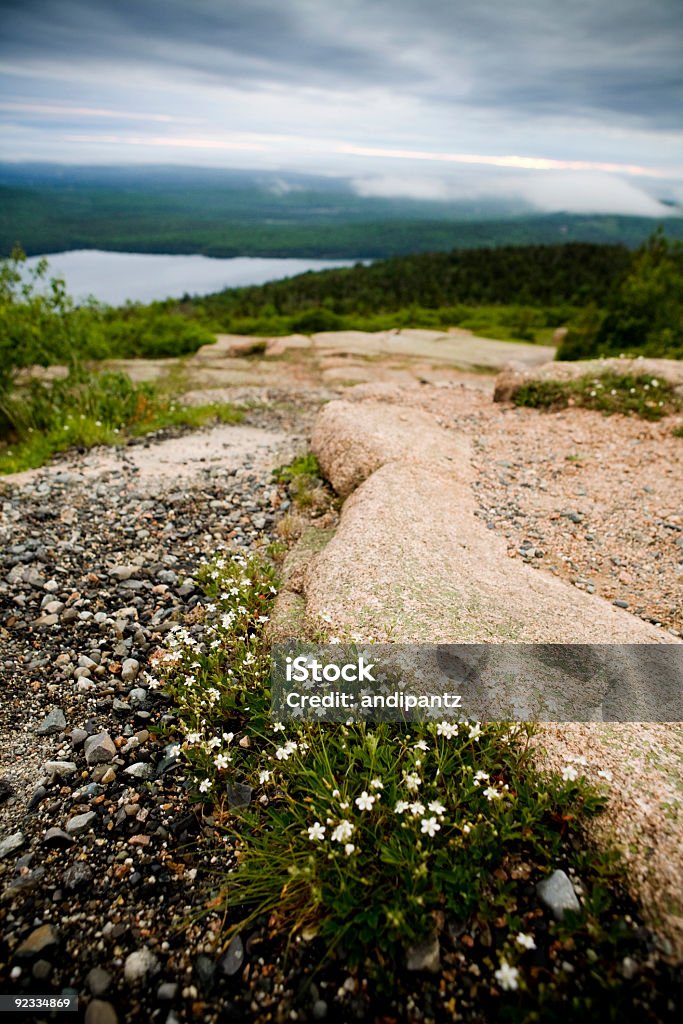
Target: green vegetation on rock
{"x": 380, "y": 843}
{"x": 637, "y": 394}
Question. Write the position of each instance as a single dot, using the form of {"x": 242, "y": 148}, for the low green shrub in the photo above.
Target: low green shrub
{"x": 136, "y": 332}
{"x": 85, "y": 409}
{"x": 314, "y": 321}
{"x": 304, "y": 482}
{"x": 609, "y": 393}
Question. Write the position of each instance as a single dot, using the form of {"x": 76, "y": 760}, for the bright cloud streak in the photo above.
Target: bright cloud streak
{"x": 170, "y": 141}
{"x": 526, "y": 163}
{"x": 46, "y": 108}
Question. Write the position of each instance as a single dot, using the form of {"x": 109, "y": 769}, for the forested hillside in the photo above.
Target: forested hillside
{"x": 538, "y": 275}
{"x": 611, "y": 300}
{"x": 50, "y": 208}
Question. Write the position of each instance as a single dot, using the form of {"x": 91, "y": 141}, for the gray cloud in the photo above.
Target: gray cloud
{"x": 531, "y": 57}
{"x": 591, "y": 81}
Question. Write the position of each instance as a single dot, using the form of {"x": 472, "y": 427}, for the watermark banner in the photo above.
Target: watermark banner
{"x": 483, "y": 682}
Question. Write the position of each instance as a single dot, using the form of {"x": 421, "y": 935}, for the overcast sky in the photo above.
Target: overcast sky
{"x": 572, "y": 104}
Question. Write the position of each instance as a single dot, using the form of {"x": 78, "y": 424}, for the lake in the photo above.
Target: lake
{"x": 118, "y": 277}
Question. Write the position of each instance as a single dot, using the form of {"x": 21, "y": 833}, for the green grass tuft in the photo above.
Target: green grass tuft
{"x": 304, "y": 465}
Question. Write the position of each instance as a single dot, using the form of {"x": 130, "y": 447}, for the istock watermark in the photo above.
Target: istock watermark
{"x": 485, "y": 682}
{"x": 304, "y": 668}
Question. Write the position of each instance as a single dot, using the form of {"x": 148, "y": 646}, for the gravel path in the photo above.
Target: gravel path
{"x": 101, "y": 856}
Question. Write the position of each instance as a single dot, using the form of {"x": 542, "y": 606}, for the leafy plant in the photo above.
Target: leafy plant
{"x": 304, "y": 465}
{"x": 369, "y": 839}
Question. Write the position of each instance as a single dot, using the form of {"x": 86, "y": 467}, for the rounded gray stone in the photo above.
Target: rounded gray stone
{"x": 100, "y": 1012}
{"x": 556, "y": 893}
{"x": 139, "y": 964}
{"x": 53, "y": 723}
{"x": 98, "y": 981}
{"x": 11, "y": 843}
{"x": 81, "y": 823}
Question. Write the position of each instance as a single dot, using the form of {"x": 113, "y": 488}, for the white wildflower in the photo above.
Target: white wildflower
{"x": 343, "y": 831}
{"x": 364, "y": 802}
{"x": 507, "y": 976}
{"x": 429, "y": 826}
{"x": 284, "y": 753}
{"x": 316, "y": 831}
{"x": 413, "y": 782}
{"x": 525, "y": 941}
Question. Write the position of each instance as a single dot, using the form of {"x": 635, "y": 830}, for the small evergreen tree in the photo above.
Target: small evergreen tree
{"x": 644, "y": 316}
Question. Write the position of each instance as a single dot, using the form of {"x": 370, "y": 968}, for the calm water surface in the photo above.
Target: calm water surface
{"x": 118, "y": 277}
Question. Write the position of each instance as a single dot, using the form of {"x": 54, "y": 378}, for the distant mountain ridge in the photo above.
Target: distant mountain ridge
{"x": 49, "y": 208}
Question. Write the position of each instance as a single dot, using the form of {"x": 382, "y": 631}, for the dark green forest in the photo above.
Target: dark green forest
{"x": 537, "y": 275}
{"x": 611, "y": 299}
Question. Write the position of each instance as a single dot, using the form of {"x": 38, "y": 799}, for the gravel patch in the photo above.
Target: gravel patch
{"x": 595, "y": 500}
{"x": 103, "y": 859}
